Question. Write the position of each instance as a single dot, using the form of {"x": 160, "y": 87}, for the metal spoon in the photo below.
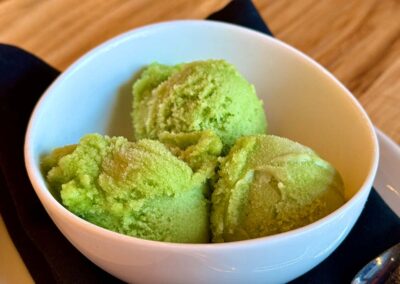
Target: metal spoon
{"x": 387, "y": 184}
{"x": 379, "y": 269}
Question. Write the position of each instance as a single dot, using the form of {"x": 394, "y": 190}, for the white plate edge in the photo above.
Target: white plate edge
{"x": 387, "y": 180}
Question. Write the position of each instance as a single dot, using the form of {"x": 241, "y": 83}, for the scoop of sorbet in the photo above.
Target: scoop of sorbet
{"x": 136, "y": 188}
{"x": 268, "y": 185}
{"x": 201, "y": 95}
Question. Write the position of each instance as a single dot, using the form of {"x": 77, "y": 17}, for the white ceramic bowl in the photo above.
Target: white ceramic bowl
{"x": 302, "y": 102}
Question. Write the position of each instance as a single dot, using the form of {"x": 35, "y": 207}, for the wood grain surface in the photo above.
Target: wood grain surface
{"x": 357, "y": 40}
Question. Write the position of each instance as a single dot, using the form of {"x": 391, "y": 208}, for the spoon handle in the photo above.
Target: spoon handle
{"x": 381, "y": 268}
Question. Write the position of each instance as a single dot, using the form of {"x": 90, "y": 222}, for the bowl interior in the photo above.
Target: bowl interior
{"x": 302, "y": 101}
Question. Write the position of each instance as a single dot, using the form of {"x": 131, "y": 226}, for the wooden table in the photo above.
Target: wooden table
{"x": 357, "y": 40}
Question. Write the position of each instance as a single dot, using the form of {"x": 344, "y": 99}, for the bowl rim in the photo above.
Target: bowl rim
{"x": 50, "y": 203}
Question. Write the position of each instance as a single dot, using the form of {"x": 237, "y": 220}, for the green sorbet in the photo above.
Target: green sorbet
{"x": 201, "y": 95}
{"x": 268, "y": 185}
{"x": 139, "y": 188}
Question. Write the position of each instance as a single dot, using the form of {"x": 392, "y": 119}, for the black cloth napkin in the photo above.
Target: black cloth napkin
{"x": 50, "y": 258}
